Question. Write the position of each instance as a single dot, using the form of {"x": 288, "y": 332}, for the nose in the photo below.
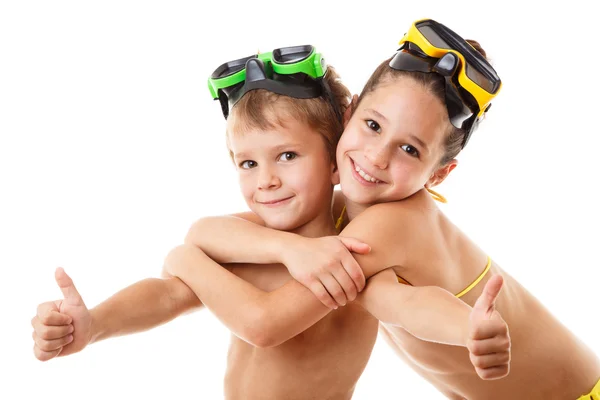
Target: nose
{"x": 268, "y": 179}
{"x": 377, "y": 155}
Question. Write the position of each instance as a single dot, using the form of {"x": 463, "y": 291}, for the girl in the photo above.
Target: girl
{"x": 401, "y": 137}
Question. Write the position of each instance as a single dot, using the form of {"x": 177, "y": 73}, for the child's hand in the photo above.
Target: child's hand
{"x": 326, "y": 267}
{"x": 61, "y": 327}
{"x": 489, "y": 341}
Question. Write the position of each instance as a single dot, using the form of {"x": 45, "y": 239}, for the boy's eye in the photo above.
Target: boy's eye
{"x": 248, "y": 164}
{"x": 411, "y": 150}
{"x": 374, "y": 126}
{"x": 287, "y": 156}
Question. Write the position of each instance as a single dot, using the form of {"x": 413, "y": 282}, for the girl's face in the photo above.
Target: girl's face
{"x": 393, "y": 143}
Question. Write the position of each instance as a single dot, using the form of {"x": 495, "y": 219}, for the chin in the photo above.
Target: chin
{"x": 359, "y": 196}
{"x": 281, "y": 224}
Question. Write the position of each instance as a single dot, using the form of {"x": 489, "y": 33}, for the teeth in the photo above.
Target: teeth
{"x": 365, "y": 176}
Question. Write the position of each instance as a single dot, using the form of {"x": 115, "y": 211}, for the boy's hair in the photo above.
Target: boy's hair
{"x": 264, "y": 110}
{"x": 432, "y": 82}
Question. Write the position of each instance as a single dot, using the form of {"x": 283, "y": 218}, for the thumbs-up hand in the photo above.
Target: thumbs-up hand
{"x": 489, "y": 341}
{"x": 61, "y": 327}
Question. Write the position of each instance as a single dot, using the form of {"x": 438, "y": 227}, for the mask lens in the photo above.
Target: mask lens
{"x": 230, "y": 68}
{"x": 292, "y": 55}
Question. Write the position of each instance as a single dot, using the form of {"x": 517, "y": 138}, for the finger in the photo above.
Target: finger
{"x": 51, "y": 345}
{"x": 484, "y": 305}
{"x": 355, "y": 245}
{"x": 493, "y": 372}
{"x": 490, "y": 360}
{"x": 334, "y": 289}
{"x": 64, "y": 281}
{"x": 488, "y": 328}
{"x": 51, "y": 317}
{"x": 341, "y": 275}
{"x": 47, "y": 332}
{"x": 489, "y": 346}
{"x": 44, "y": 355}
{"x": 321, "y": 293}
{"x": 354, "y": 271}
{"x": 46, "y": 308}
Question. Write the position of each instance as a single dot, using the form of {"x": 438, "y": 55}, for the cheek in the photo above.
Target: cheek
{"x": 403, "y": 172}
{"x": 351, "y": 140}
{"x": 246, "y": 185}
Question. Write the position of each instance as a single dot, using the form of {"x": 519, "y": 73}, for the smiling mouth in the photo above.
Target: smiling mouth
{"x": 274, "y": 203}
{"x": 363, "y": 177}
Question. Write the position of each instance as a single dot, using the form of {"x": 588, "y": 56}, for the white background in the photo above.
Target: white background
{"x": 111, "y": 146}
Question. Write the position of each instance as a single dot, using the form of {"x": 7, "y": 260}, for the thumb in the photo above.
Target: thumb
{"x": 64, "y": 281}
{"x": 355, "y": 245}
{"x": 484, "y": 306}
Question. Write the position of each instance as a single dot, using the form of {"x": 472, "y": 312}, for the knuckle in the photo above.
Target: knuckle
{"x": 323, "y": 298}
{"x": 478, "y": 362}
{"x": 44, "y": 332}
{"x": 44, "y": 345}
{"x": 484, "y": 374}
{"x": 37, "y": 353}
{"x": 475, "y": 348}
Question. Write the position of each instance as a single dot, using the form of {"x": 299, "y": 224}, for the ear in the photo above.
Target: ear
{"x": 335, "y": 174}
{"x": 440, "y": 174}
{"x": 350, "y": 110}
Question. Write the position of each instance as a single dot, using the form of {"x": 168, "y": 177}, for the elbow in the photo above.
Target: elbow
{"x": 259, "y": 330}
{"x": 195, "y": 234}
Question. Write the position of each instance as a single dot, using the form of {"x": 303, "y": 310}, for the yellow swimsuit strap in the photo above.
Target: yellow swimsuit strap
{"x": 593, "y": 395}
{"x": 437, "y": 196}
{"x": 476, "y": 281}
{"x": 434, "y": 194}
{"x": 340, "y": 220}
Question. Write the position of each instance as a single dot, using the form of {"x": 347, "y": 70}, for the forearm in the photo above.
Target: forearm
{"x": 261, "y": 318}
{"x": 232, "y": 239}
{"x": 429, "y": 313}
{"x": 141, "y": 306}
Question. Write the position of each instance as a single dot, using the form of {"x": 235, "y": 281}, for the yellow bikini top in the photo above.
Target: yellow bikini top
{"x": 441, "y": 199}
{"x": 433, "y": 193}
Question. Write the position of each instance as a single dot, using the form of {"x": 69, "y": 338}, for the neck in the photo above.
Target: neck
{"x": 322, "y": 225}
{"x": 353, "y": 209}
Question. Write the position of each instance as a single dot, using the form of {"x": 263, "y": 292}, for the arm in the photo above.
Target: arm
{"x": 66, "y": 326}
{"x": 263, "y": 319}
{"x": 323, "y": 265}
{"x": 429, "y": 313}
{"x": 142, "y": 306}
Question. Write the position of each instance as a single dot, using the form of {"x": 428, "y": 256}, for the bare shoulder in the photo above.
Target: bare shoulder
{"x": 383, "y": 220}
{"x": 387, "y": 229}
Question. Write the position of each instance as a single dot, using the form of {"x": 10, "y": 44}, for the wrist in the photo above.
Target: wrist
{"x": 284, "y": 247}
{"x": 98, "y": 330}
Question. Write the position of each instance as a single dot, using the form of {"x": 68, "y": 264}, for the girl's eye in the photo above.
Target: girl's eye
{"x": 411, "y": 150}
{"x": 287, "y": 156}
{"x": 248, "y": 164}
{"x": 374, "y": 126}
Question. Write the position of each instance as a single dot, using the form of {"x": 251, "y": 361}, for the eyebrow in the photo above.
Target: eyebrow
{"x": 377, "y": 114}
{"x": 276, "y": 149}
{"x": 413, "y": 137}
{"x": 419, "y": 142}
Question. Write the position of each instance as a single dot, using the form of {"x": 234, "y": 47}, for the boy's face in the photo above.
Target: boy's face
{"x": 286, "y": 175}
